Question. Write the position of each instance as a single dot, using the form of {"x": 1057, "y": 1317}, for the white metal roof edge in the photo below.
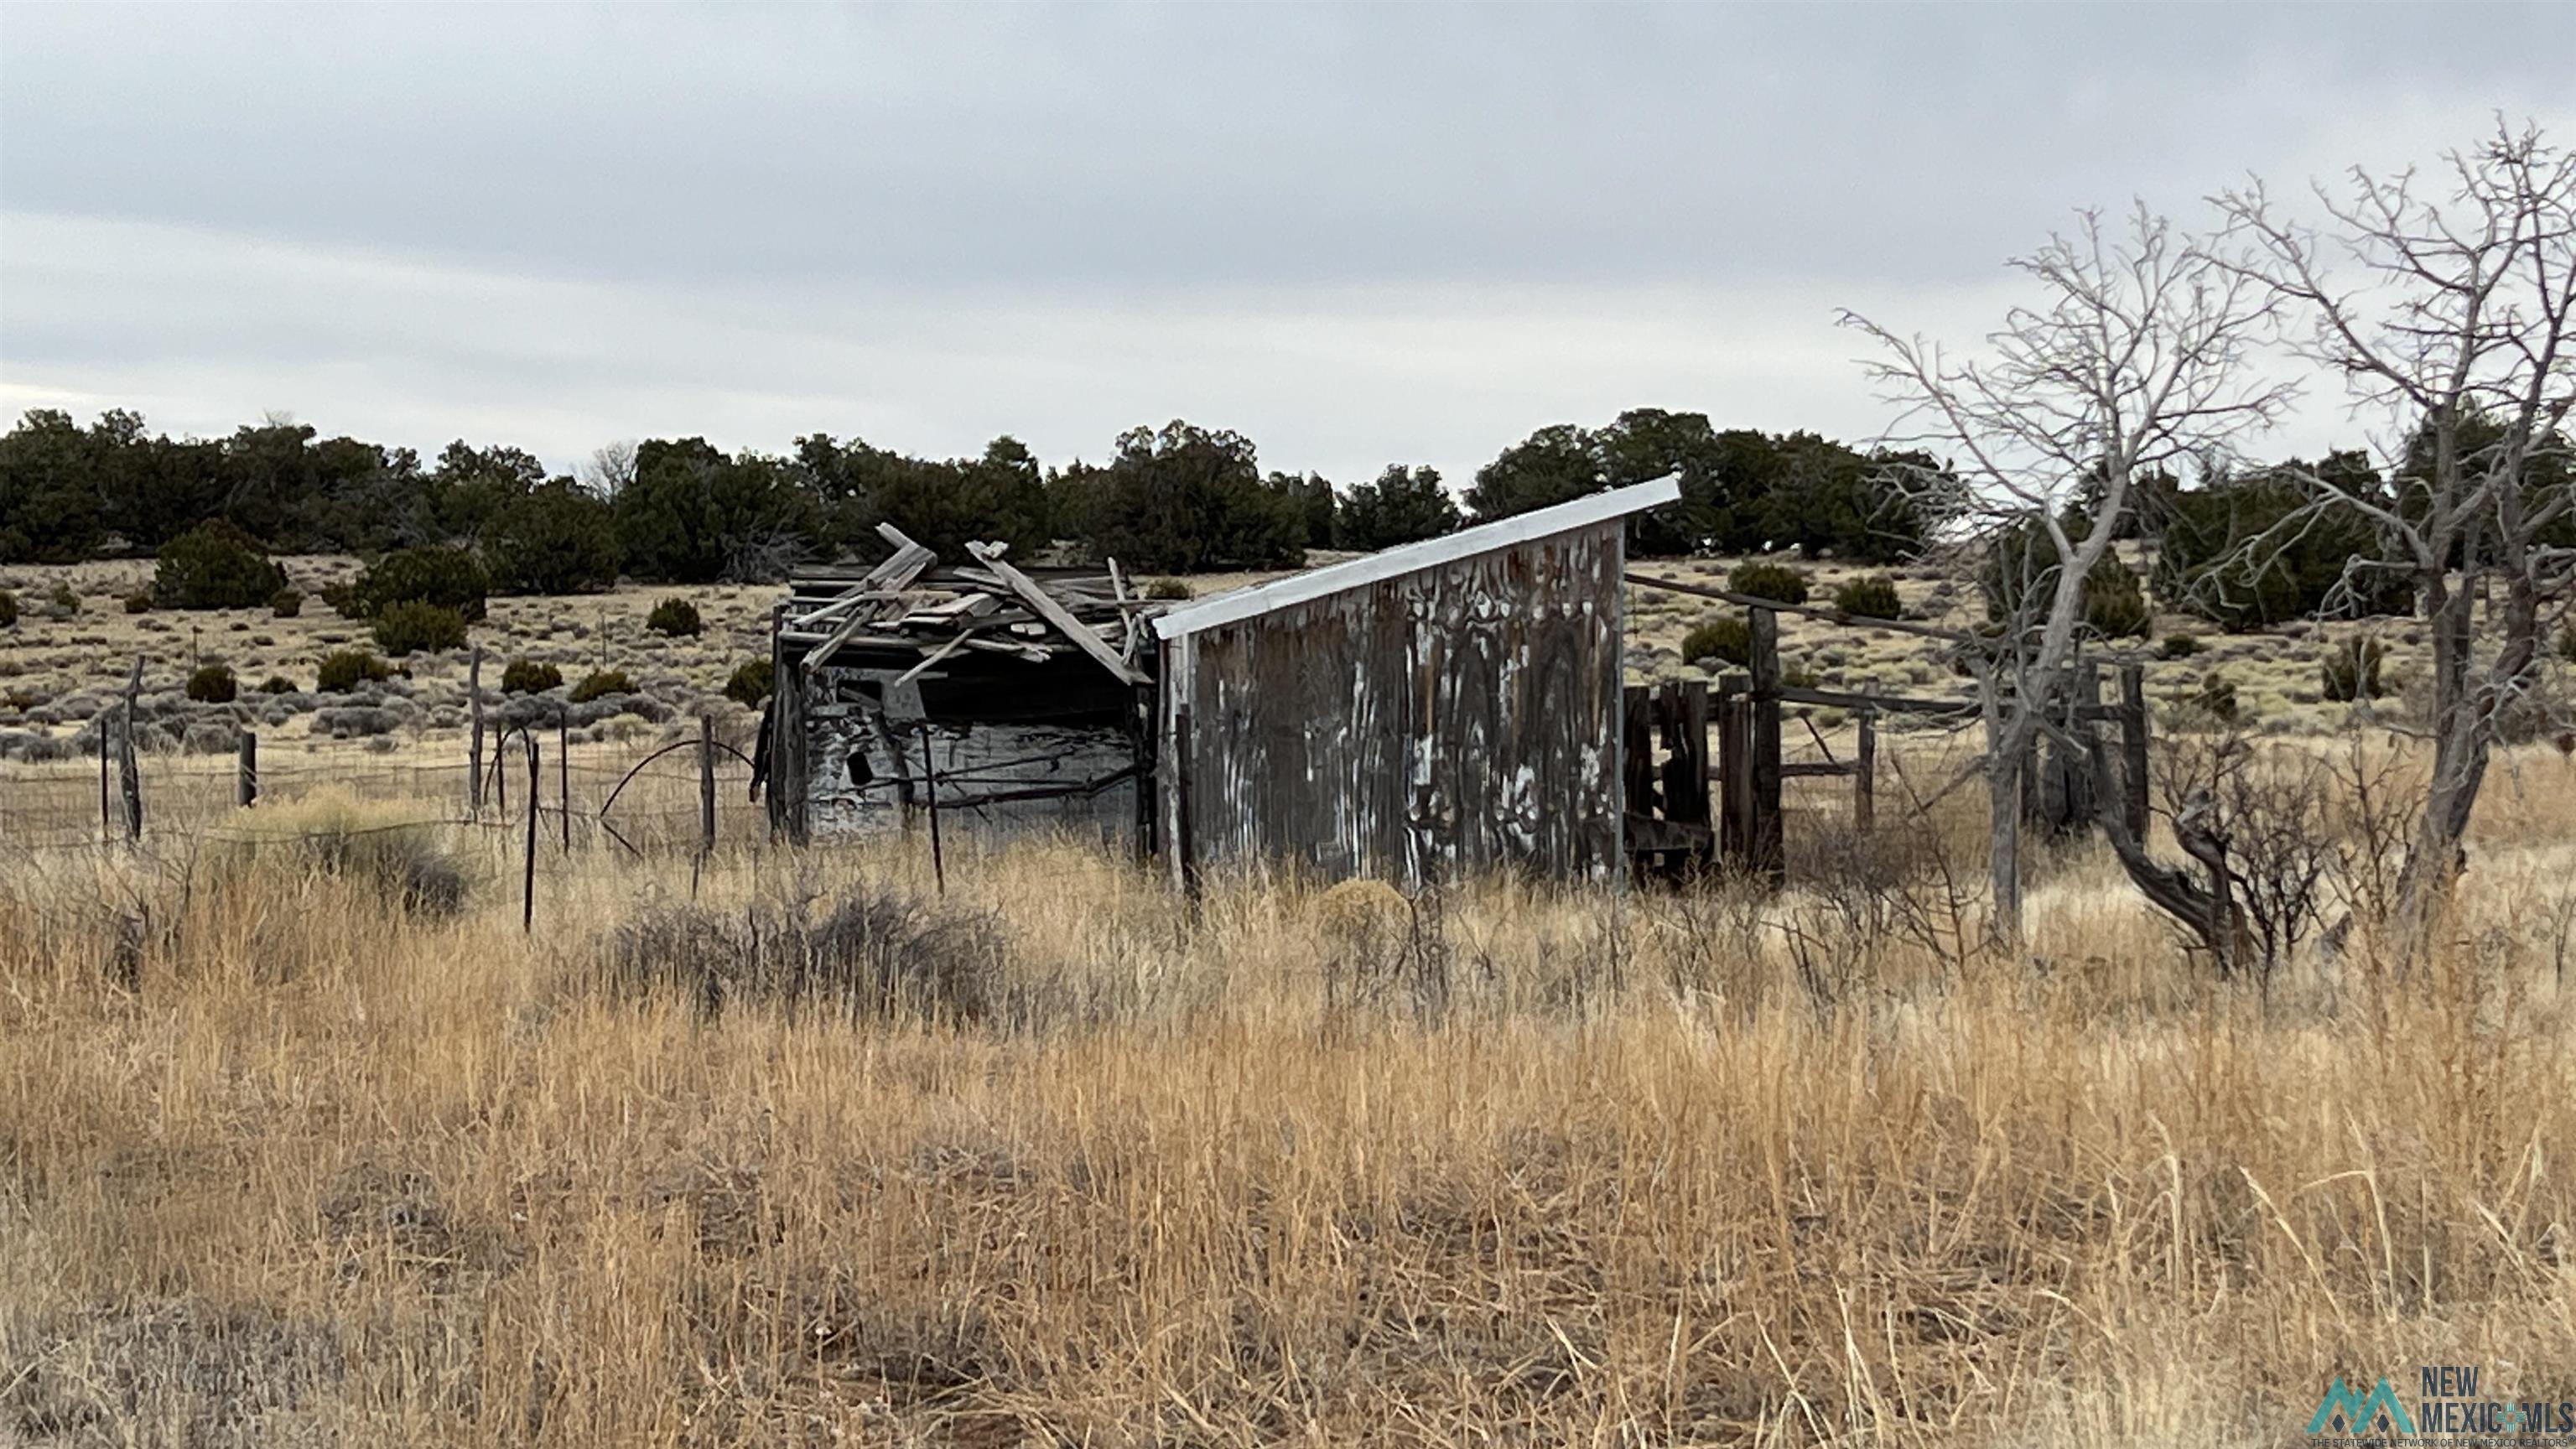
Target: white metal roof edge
{"x": 1405, "y": 558}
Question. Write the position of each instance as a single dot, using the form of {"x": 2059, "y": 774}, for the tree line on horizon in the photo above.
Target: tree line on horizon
{"x": 1173, "y": 499}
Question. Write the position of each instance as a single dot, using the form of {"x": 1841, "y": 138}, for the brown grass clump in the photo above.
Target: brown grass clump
{"x": 1634, "y": 1180}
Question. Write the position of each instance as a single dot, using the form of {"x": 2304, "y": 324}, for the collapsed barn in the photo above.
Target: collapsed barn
{"x": 1445, "y": 706}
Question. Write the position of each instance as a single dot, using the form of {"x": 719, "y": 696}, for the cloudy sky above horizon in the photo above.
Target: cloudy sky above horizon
{"x": 1361, "y": 235}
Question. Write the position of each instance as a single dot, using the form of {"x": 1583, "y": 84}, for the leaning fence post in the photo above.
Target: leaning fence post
{"x": 129, "y": 774}
{"x": 474, "y": 748}
{"x": 528, "y": 874}
{"x": 246, "y": 774}
{"x": 930, "y": 790}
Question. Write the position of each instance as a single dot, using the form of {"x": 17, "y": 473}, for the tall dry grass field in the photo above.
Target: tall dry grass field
{"x": 295, "y": 1149}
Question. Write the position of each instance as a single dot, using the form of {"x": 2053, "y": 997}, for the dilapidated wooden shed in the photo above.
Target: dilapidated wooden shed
{"x": 1437, "y": 709}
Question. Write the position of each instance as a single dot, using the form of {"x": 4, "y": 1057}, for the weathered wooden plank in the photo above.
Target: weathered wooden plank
{"x": 1054, "y": 613}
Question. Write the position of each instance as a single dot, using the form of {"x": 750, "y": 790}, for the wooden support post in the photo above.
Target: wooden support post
{"x": 1735, "y": 771}
{"x": 1865, "y": 775}
{"x": 1769, "y": 852}
{"x": 563, "y": 776}
{"x": 1185, "y": 842}
{"x": 706, "y": 785}
{"x": 501, "y": 777}
{"x": 528, "y": 869}
{"x": 1637, "y": 749}
{"x": 474, "y": 739}
{"x": 2133, "y": 748}
{"x": 1683, "y": 707}
{"x": 930, "y": 793}
{"x": 246, "y": 772}
{"x": 1143, "y": 728}
{"x": 106, "y": 821}
{"x": 129, "y": 773}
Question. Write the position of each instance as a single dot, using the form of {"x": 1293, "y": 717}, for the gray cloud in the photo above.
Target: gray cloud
{"x": 1358, "y": 234}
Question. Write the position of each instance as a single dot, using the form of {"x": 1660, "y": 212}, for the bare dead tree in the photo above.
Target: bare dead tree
{"x": 2455, "y": 345}
{"x": 609, "y": 468}
{"x": 2132, "y": 357}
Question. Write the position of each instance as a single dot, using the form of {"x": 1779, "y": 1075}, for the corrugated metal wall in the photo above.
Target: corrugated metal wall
{"x": 1461, "y": 718}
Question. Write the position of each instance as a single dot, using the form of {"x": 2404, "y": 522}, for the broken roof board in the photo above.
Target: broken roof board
{"x": 1316, "y": 583}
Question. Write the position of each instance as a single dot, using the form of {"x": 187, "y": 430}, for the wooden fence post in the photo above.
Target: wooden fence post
{"x": 1637, "y": 750}
{"x": 1735, "y": 770}
{"x": 528, "y": 870}
{"x": 1146, "y": 711}
{"x": 930, "y": 792}
{"x": 563, "y": 774}
{"x": 1865, "y": 775}
{"x": 129, "y": 774}
{"x": 2133, "y": 748}
{"x": 246, "y": 773}
{"x": 474, "y": 746}
{"x": 1184, "y": 828}
{"x": 106, "y": 723}
{"x": 1768, "y": 841}
{"x": 706, "y": 785}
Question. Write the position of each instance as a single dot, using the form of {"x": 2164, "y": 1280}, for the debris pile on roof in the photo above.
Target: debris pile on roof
{"x": 913, "y": 613}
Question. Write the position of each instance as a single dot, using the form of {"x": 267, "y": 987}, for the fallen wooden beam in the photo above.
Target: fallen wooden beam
{"x": 1054, "y": 613}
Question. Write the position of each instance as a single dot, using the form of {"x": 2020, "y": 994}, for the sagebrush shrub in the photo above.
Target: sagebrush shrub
{"x": 8, "y": 608}
{"x": 1764, "y": 580}
{"x": 1871, "y": 596}
{"x": 1168, "y": 589}
{"x": 1725, "y": 639}
{"x": 2179, "y": 646}
{"x": 286, "y": 603}
{"x": 343, "y": 670}
{"x": 529, "y": 676}
{"x": 213, "y": 566}
{"x": 212, "y": 684}
{"x": 414, "y": 625}
{"x": 751, "y": 682}
{"x": 674, "y": 618}
{"x": 139, "y": 602}
{"x": 450, "y": 578}
{"x": 600, "y": 684}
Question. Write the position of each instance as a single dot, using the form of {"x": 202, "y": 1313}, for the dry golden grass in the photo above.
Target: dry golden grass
{"x": 283, "y": 1163}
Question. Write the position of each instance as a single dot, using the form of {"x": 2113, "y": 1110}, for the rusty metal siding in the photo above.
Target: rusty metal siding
{"x": 1460, "y": 718}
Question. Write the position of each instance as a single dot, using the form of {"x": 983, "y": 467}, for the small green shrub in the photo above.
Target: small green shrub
{"x": 450, "y": 578}
{"x": 1167, "y": 589}
{"x": 286, "y": 603}
{"x": 414, "y": 625}
{"x": 8, "y": 609}
{"x": 139, "y": 602}
{"x": 2216, "y": 698}
{"x": 277, "y": 684}
{"x": 62, "y": 603}
{"x": 751, "y": 683}
{"x": 213, "y": 566}
{"x": 1871, "y": 596}
{"x": 343, "y": 599}
{"x": 2115, "y": 607}
{"x": 674, "y": 618}
{"x": 2351, "y": 671}
{"x": 1725, "y": 639}
{"x": 345, "y": 669}
{"x": 212, "y": 684}
{"x": 2179, "y": 646}
{"x": 601, "y": 684}
{"x": 528, "y": 676}
{"x": 1768, "y": 581}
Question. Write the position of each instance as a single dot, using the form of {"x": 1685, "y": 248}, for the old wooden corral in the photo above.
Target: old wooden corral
{"x": 1427, "y": 712}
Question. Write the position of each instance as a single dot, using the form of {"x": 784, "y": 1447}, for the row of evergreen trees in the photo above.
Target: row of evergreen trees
{"x": 1170, "y": 499}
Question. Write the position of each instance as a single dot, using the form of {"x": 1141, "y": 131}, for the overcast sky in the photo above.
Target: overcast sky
{"x": 1360, "y": 235}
